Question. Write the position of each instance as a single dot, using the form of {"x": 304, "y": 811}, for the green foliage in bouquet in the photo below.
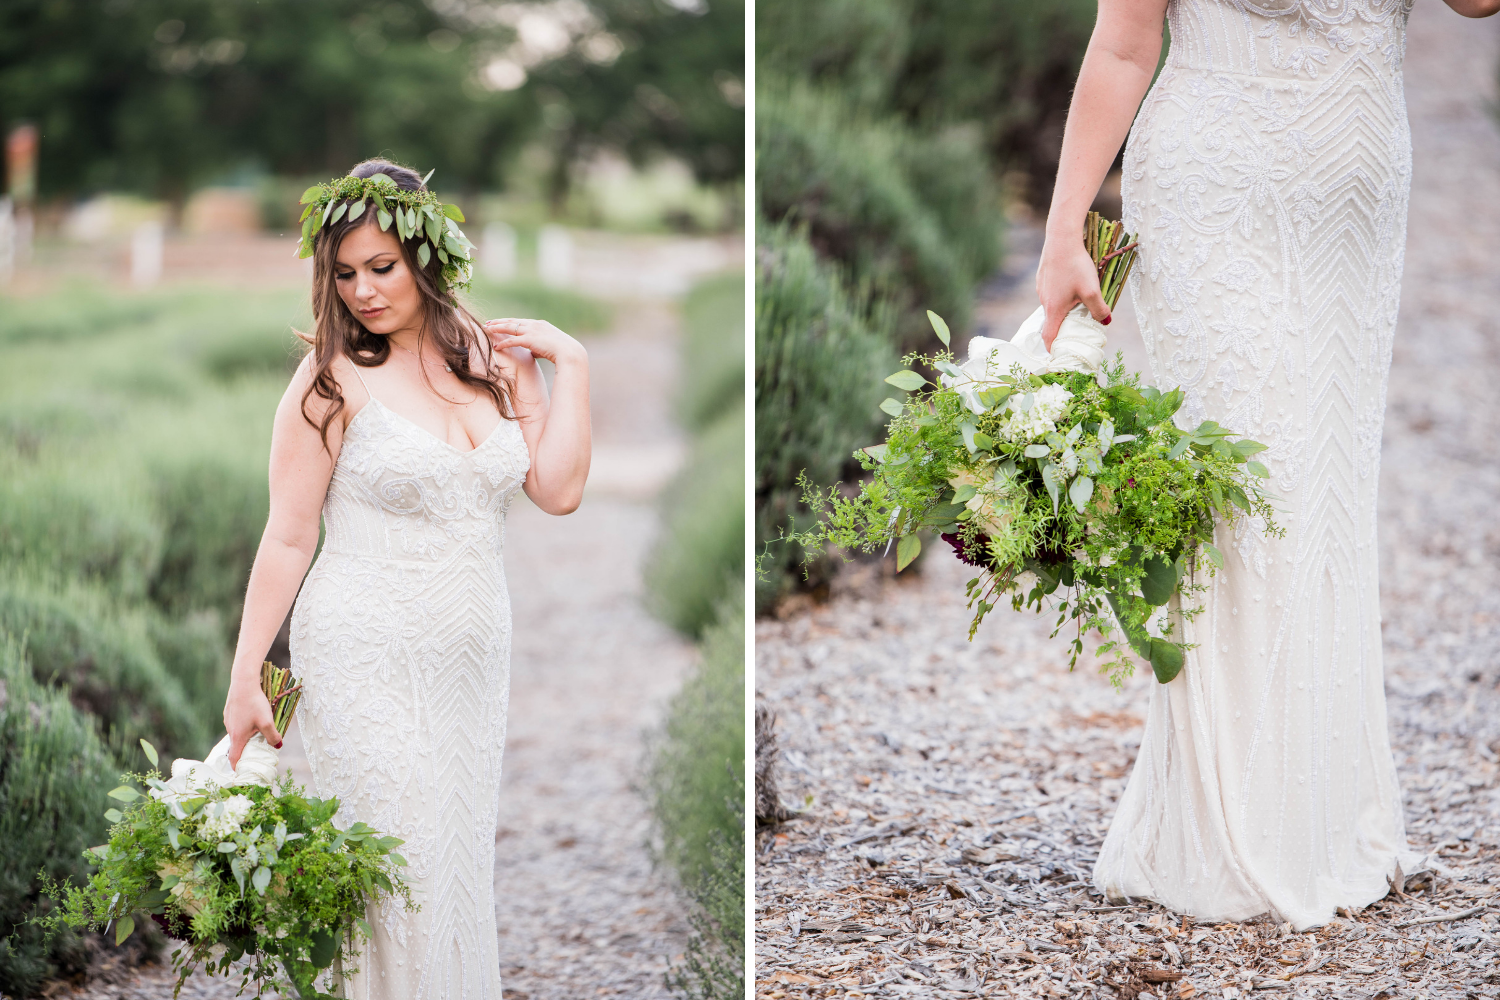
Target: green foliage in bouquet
{"x": 247, "y": 872}
{"x": 1052, "y": 481}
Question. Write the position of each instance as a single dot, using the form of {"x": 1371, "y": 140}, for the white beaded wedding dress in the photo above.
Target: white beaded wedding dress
{"x": 1267, "y": 174}
{"x": 401, "y": 640}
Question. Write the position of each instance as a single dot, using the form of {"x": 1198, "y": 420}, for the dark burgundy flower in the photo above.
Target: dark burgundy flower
{"x": 973, "y": 553}
{"x": 174, "y": 926}
{"x": 1130, "y": 483}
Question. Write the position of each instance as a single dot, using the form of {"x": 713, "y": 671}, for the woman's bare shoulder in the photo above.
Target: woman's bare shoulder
{"x": 347, "y": 385}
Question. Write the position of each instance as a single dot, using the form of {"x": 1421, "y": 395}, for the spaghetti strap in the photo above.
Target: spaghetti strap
{"x": 361, "y": 379}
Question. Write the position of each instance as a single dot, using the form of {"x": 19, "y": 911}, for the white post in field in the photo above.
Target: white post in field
{"x": 497, "y": 252}
{"x": 145, "y": 254}
{"x": 7, "y": 241}
{"x": 554, "y": 256}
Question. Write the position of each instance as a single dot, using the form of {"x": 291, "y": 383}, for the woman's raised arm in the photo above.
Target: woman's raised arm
{"x": 556, "y": 429}
{"x": 300, "y": 471}
{"x": 1117, "y": 68}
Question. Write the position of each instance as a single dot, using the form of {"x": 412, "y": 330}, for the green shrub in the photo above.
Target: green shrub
{"x": 855, "y": 46}
{"x": 700, "y": 753}
{"x": 54, "y": 774}
{"x": 700, "y": 556}
{"x": 695, "y": 576}
{"x": 1008, "y": 67}
{"x": 102, "y": 655}
{"x": 712, "y": 967}
{"x": 948, "y": 168}
{"x": 695, "y": 784}
{"x": 1004, "y": 67}
{"x": 568, "y": 311}
{"x": 81, "y": 311}
{"x": 820, "y": 354}
{"x": 213, "y": 510}
{"x": 913, "y": 214}
{"x": 61, "y": 519}
{"x": 195, "y": 651}
{"x": 254, "y": 350}
{"x": 713, "y": 349}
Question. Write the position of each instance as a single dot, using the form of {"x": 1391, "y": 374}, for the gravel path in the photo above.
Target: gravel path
{"x": 955, "y": 794}
{"x": 581, "y": 910}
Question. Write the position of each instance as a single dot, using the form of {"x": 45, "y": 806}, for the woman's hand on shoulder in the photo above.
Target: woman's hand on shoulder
{"x": 539, "y": 337}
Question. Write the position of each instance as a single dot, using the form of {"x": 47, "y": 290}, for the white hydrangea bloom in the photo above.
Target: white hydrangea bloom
{"x": 1035, "y": 422}
{"x": 222, "y": 819}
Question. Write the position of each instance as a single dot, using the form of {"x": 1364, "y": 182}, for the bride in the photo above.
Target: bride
{"x": 408, "y": 427}
{"x": 1267, "y": 176}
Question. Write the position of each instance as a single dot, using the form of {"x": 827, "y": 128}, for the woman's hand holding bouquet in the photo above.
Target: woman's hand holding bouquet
{"x": 238, "y": 865}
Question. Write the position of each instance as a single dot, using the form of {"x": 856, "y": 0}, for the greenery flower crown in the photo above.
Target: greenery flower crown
{"x": 415, "y": 214}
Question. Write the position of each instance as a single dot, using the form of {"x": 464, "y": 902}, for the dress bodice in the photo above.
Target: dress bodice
{"x": 1288, "y": 39}
{"x": 401, "y": 640}
{"x": 1267, "y": 177}
{"x": 399, "y": 492}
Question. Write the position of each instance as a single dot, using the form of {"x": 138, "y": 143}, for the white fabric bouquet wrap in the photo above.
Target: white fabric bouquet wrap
{"x": 1079, "y": 347}
{"x": 191, "y": 778}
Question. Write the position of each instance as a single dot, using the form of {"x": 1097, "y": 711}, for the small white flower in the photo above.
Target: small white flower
{"x": 1035, "y": 414}
{"x": 223, "y": 819}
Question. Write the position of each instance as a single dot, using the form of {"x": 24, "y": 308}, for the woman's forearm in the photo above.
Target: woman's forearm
{"x": 1117, "y": 68}
{"x": 274, "y": 581}
{"x": 561, "y": 461}
{"x": 1116, "y": 71}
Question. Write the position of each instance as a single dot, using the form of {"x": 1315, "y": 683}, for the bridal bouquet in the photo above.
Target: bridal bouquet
{"x": 1051, "y": 469}
{"x": 238, "y": 865}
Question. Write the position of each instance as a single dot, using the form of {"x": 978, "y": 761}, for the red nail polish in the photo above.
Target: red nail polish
{"x": 1107, "y": 319}
{"x": 278, "y": 746}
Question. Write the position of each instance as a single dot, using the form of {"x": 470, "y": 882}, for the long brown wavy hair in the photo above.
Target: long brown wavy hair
{"x": 337, "y": 332}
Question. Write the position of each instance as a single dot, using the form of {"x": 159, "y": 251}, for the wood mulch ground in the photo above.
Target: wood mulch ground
{"x": 954, "y": 794}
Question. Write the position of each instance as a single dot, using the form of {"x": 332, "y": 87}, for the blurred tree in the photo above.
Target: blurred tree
{"x": 654, "y": 76}
{"x": 1008, "y": 66}
{"x": 1005, "y": 66}
{"x": 158, "y": 96}
{"x": 854, "y": 47}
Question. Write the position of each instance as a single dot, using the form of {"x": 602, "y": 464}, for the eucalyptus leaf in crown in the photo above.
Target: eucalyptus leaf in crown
{"x": 415, "y": 214}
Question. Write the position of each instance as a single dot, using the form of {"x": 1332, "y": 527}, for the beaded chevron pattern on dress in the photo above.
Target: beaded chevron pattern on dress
{"x": 1267, "y": 175}
{"x": 401, "y": 639}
